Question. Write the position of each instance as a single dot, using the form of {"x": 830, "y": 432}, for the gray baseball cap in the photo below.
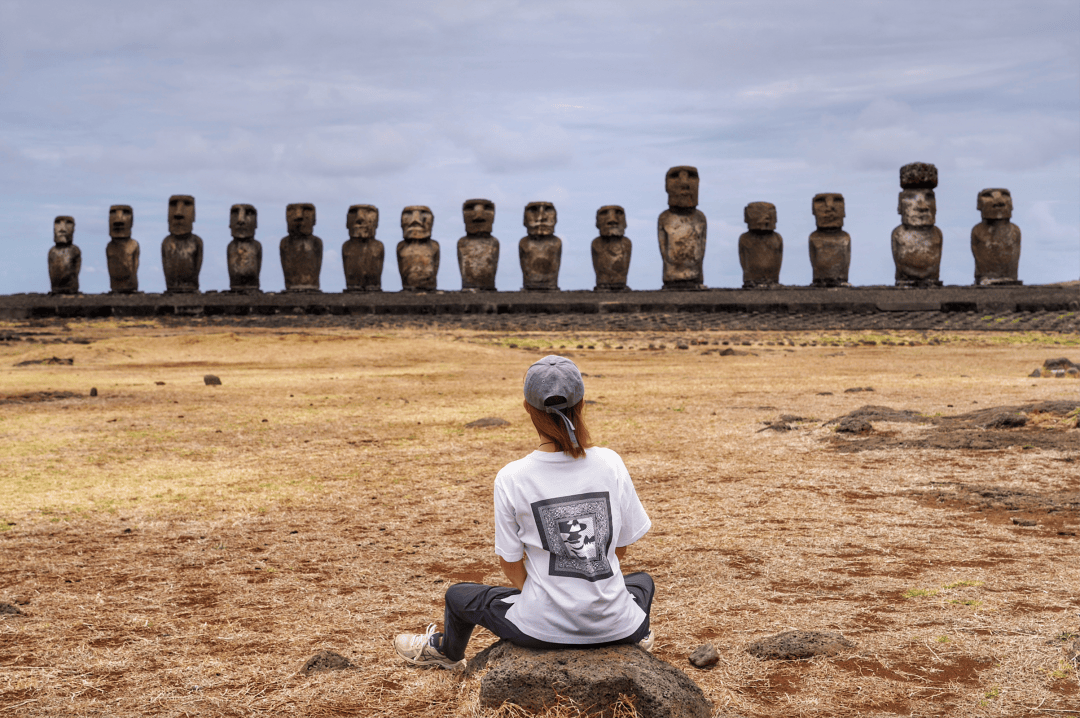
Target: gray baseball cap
{"x": 555, "y": 376}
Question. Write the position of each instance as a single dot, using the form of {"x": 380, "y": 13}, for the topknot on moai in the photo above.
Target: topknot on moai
{"x": 681, "y": 230}
{"x": 611, "y": 250}
{"x": 181, "y": 251}
{"x": 761, "y": 250}
{"x": 418, "y": 253}
{"x": 540, "y": 252}
{"x": 65, "y": 259}
{"x": 918, "y": 175}
{"x": 916, "y": 243}
{"x": 995, "y": 241}
{"x": 122, "y": 252}
{"x": 301, "y": 251}
{"x": 362, "y": 256}
{"x": 478, "y": 251}
{"x": 244, "y": 253}
{"x": 830, "y": 245}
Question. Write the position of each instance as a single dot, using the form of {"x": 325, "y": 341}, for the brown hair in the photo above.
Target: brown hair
{"x": 552, "y": 428}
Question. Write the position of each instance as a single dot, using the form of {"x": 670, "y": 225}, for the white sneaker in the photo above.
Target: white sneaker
{"x": 647, "y": 642}
{"x": 416, "y": 648}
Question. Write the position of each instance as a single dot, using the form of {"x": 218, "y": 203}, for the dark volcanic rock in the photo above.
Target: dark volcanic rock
{"x": 63, "y": 361}
{"x": 704, "y": 656}
{"x": 1006, "y": 420}
{"x": 9, "y": 609}
{"x": 853, "y": 425}
{"x": 325, "y": 661}
{"x": 594, "y": 678}
{"x": 487, "y": 422}
{"x": 794, "y": 645}
{"x": 857, "y": 389}
{"x": 1058, "y": 363}
{"x": 211, "y": 380}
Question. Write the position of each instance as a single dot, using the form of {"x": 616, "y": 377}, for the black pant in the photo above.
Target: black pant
{"x": 473, "y": 604}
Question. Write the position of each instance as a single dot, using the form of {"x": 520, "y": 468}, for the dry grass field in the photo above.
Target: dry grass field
{"x": 176, "y": 549}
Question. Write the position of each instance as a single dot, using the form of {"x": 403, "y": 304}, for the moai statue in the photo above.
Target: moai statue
{"x": 181, "y": 251}
{"x": 681, "y": 230}
{"x": 478, "y": 251}
{"x": 830, "y": 245}
{"x": 362, "y": 255}
{"x": 301, "y": 251}
{"x": 761, "y": 250}
{"x": 995, "y": 241}
{"x": 540, "y": 252}
{"x": 65, "y": 259}
{"x": 244, "y": 251}
{"x": 418, "y": 253}
{"x": 611, "y": 250}
{"x": 916, "y": 243}
{"x": 122, "y": 252}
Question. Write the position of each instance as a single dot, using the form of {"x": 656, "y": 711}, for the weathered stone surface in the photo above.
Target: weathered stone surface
{"x": 995, "y": 241}
{"x": 211, "y": 380}
{"x": 611, "y": 250}
{"x": 418, "y": 253}
{"x": 540, "y": 252}
{"x": 761, "y": 250}
{"x": 244, "y": 253}
{"x": 916, "y": 243}
{"x": 704, "y": 656}
{"x": 595, "y": 678}
{"x": 362, "y": 255}
{"x": 830, "y": 245}
{"x": 301, "y": 251}
{"x": 795, "y": 645}
{"x": 324, "y": 660}
{"x": 122, "y": 252}
{"x": 487, "y": 422}
{"x": 918, "y": 175}
{"x": 681, "y": 230}
{"x": 853, "y": 425}
{"x": 10, "y": 609}
{"x": 478, "y": 251}
{"x": 65, "y": 259}
{"x": 181, "y": 251}
{"x": 1058, "y": 363}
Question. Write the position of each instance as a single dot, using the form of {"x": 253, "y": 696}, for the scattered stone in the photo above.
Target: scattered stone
{"x": 37, "y": 396}
{"x": 729, "y": 352}
{"x": 1025, "y": 522}
{"x": 1073, "y": 372}
{"x": 159, "y": 383}
{"x": 871, "y": 412}
{"x": 10, "y": 609}
{"x": 1036, "y": 374}
{"x": 796, "y": 645}
{"x": 211, "y": 380}
{"x": 62, "y": 361}
{"x": 857, "y": 389}
{"x": 824, "y": 393}
{"x": 704, "y": 656}
{"x": 1059, "y": 363}
{"x": 93, "y": 391}
{"x": 1072, "y": 654}
{"x": 776, "y": 426}
{"x": 487, "y": 422}
{"x": 853, "y": 425}
{"x": 594, "y": 678}
{"x": 1006, "y": 420}
{"x": 325, "y": 660}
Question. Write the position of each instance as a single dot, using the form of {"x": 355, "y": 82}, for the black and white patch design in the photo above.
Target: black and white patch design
{"x": 576, "y": 531}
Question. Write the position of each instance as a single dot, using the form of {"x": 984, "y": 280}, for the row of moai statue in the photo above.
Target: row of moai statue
{"x": 681, "y": 230}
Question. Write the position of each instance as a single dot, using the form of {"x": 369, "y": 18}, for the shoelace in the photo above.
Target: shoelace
{"x": 420, "y": 640}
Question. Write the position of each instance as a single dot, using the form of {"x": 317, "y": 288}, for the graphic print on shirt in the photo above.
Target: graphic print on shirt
{"x": 576, "y": 531}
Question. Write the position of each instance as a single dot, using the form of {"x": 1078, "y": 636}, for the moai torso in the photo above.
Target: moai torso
{"x": 761, "y": 250}
{"x": 916, "y": 243}
{"x": 244, "y": 253}
{"x": 418, "y": 253}
{"x": 995, "y": 241}
{"x": 301, "y": 251}
{"x": 681, "y": 231}
{"x": 611, "y": 250}
{"x": 362, "y": 255}
{"x": 65, "y": 259}
{"x": 122, "y": 252}
{"x": 540, "y": 252}
{"x": 830, "y": 245}
{"x": 181, "y": 251}
{"x": 478, "y": 251}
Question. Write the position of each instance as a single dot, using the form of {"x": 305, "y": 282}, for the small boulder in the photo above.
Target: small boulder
{"x": 1058, "y": 363}
{"x": 93, "y": 391}
{"x": 211, "y": 380}
{"x": 796, "y": 645}
{"x": 856, "y": 389}
{"x": 325, "y": 660}
{"x": 9, "y": 609}
{"x": 1037, "y": 374}
{"x": 487, "y": 422}
{"x": 1006, "y": 420}
{"x": 853, "y": 425}
{"x": 596, "y": 679}
{"x": 704, "y": 656}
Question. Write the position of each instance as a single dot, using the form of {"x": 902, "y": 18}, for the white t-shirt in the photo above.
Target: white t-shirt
{"x": 570, "y": 515}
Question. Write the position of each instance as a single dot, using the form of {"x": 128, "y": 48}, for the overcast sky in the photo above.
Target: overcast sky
{"x": 582, "y": 103}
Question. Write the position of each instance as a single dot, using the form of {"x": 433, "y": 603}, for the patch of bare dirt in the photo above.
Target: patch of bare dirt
{"x": 1055, "y": 513}
{"x": 37, "y": 397}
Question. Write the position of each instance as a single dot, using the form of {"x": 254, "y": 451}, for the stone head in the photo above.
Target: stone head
{"x": 362, "y": 220}
{"x": 479, "y": 215}
{"x": 243, "y": 219}
{"x": 416, "y": 222}
{"x": 300, "y": 218}
{"x": 120, "y": 220}
{"x": 828, "y": 208}
{"x": 611, "y": 221}
{"x": 917, "y": 207}
{"x": 995, "y": 203}
{"x": 540, "y": 219}
{"x": 760, "y": 216}
{"x": 181, "y": 213}
{"x": 681, "y": 184}
{"x": 63, "y": 229}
